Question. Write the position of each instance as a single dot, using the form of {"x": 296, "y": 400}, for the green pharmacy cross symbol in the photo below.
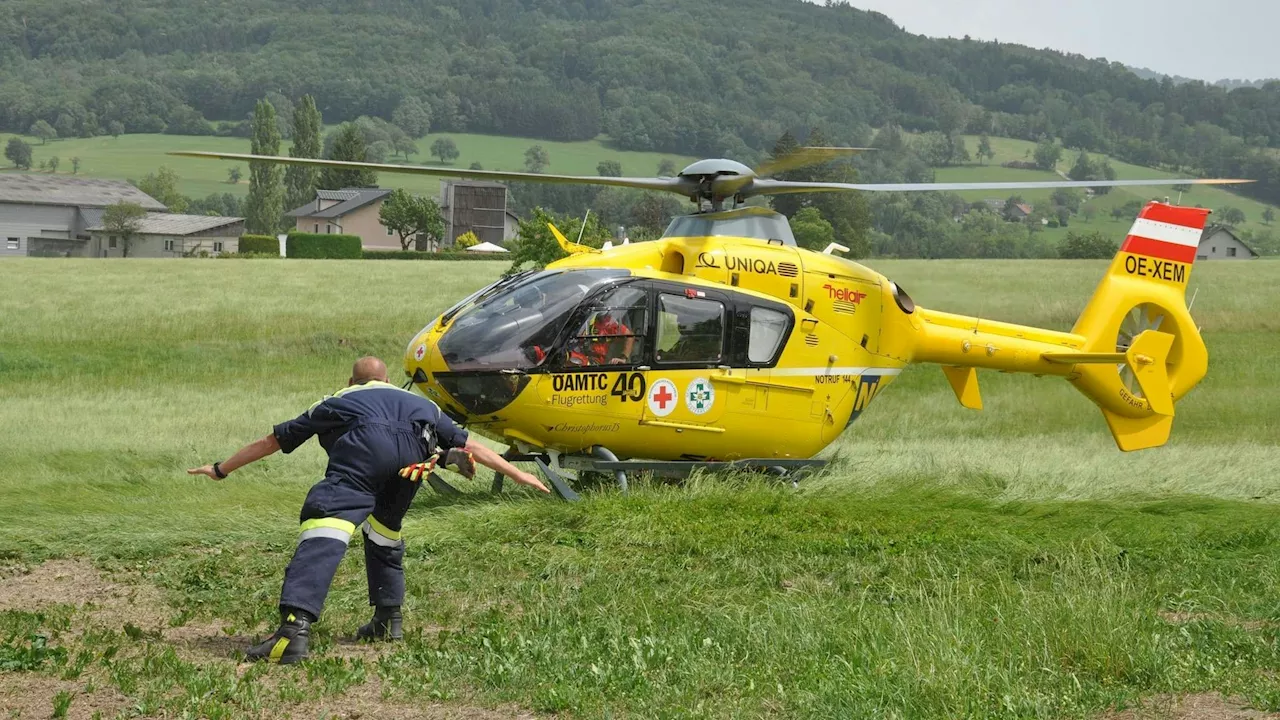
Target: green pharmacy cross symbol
{"x": 700, "y": 396}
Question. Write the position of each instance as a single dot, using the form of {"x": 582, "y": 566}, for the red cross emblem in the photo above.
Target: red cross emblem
{"x": 663, "y": 396}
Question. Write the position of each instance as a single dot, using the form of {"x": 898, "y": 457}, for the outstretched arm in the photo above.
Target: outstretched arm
{"x": 497, "y": 463}
{"x": 252, "y": 452}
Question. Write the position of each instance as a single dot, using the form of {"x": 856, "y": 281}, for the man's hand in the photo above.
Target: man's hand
{"x": 204, "y": 470}
{"x": 529, "y": 479}
{"x": 495, "y": 462}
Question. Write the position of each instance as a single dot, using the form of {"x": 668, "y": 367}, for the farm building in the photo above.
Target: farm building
{"x": 479, "y": 207}
{"x": 1219, "y": 242}
{"x": 50, "y": 215}
{"x": 349, "y": 211}
{"x": 167, "y": 235}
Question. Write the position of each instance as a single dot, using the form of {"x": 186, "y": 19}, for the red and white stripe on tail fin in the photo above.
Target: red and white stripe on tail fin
{"x": 1167, "y": 232}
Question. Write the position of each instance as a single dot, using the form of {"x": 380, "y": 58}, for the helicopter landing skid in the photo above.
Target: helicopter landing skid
{"x": 678, "y": 469}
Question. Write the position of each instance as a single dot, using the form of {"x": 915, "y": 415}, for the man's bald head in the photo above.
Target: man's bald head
{"x": 368, "y": 368}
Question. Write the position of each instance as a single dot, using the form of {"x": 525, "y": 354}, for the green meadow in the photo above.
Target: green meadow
{"x": 1003, "y": 564}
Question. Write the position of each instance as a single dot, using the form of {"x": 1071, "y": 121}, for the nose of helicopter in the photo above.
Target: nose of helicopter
{"x": 421, "y": 358}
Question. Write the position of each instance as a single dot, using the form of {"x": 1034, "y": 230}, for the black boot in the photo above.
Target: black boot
{"x": 385, "y": 625}
{"x": 289, "y": 643}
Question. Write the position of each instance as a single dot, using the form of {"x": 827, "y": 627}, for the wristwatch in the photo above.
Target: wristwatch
{"x": 217, "y": 470}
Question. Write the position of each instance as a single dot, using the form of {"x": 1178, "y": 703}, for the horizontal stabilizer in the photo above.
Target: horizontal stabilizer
{"x": 569, "y": 247}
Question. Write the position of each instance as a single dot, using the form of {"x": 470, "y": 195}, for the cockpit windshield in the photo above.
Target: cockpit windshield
{"x": 515, "y": 327}
{"x": 765, "y": 225}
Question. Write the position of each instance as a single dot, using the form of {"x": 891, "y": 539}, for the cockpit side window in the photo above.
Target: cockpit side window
{"x": 613, "y": 331}
{"x": 689, "y": 330}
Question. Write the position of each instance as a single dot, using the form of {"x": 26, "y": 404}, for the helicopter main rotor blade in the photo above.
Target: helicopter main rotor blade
{"x": 683, "y": 186}
{"x": 785, "y": 187}
{"x": 806, "y": 156}
{"x": 730, "y": 185}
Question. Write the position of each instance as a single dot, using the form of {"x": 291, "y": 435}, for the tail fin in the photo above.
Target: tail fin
{"x": 1142, "y": 350}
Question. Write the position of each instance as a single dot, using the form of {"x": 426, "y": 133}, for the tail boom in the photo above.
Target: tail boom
{"x": 1134, "y": 351}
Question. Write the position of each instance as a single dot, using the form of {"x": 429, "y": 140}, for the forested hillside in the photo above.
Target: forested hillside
{"x": 700, "y": 78}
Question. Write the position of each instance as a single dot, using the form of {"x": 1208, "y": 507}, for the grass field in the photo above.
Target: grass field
{"x": 133, "y": 156}
{"x": 1007, "y": 564}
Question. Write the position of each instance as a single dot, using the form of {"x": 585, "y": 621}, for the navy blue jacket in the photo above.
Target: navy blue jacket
{"x": 373, "y": 404}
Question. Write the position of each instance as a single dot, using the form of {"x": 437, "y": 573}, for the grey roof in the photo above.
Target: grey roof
{"x": 77, "y": 191}
{"x": 336, "y": 194}
{"x": 173, "y": 224}
{"x": 91, "y": 217}
{"x": 359, "y": 197}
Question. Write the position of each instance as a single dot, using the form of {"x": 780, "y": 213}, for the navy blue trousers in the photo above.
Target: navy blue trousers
{"x": 362, "y": 488}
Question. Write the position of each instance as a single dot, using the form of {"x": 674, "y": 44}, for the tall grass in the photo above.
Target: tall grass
{"x": 1009, "y": 563}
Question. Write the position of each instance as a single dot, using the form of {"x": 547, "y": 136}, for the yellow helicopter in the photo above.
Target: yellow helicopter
{"x": 695, "y": 349}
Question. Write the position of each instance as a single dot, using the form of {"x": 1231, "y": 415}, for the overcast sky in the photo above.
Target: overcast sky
{"x": 1194, "y": 38}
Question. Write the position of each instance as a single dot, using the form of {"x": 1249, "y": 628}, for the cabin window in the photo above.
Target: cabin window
{"x": 217, "y": 247}
{"x": 768, "y": 329}
{"x": 111, "y": 242}
{"x": 317, "y": 228}
{"x": 690, "y": 330}
{"x": 328, "y": 229}
{"x": 12, "y": 243}
{"x": 168, "y": 245}
{"x": 1231, "y": 252}
{"x": 612, "y": 333}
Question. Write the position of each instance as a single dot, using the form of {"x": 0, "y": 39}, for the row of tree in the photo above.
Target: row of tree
{"x": 655, "y": 75}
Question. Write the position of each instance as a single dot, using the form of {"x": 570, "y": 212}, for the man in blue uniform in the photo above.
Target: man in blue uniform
{"x": 377, "y": 437}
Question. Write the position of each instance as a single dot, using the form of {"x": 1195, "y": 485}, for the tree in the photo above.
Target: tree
{"x": 410, "y": 216}
{"x": 43, "y": 130}
{"x": 54, "y": 162}
{"x": 445, "y": 149}
{"x": 234, "y": 174}
{"x": 348, "y": 145}
{"x": 163, "y": 186}
{"x": 1084, "y": 246}
{"x": 535, "y": 244}
{"x": 476, "y": 166}
{"x": 788, "y": 205}
{"x": 65, "y": 125}
{"x": 536, "y": 159}
{"x": 405, "y": 146}
{"x": 666, "y": 168}
{"x": 984, "y": 149}
{"x": 19, "y": 153}
{"x": 1047, "y": 154}
{"x": 265, "y": 205}
{"x": 124, "y": 220}
{"x": 300, "y": 180}
{"x": 1232, "y": 215}
{"x": 1067, "y": 198}
{"x": 609, "y": 168}
{"x": 812, "y": 231}
{"x": 115, "y": 128}
{"x": 412, "y": 116}
{"x": 1268, "y": 216}
{"x": 1082, "y": 169}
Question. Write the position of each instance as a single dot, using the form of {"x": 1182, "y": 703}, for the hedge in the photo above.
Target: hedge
{"x": 313, "y": 245}
{"x": 259, "y": 244}
{"x": 445, "y": 256}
